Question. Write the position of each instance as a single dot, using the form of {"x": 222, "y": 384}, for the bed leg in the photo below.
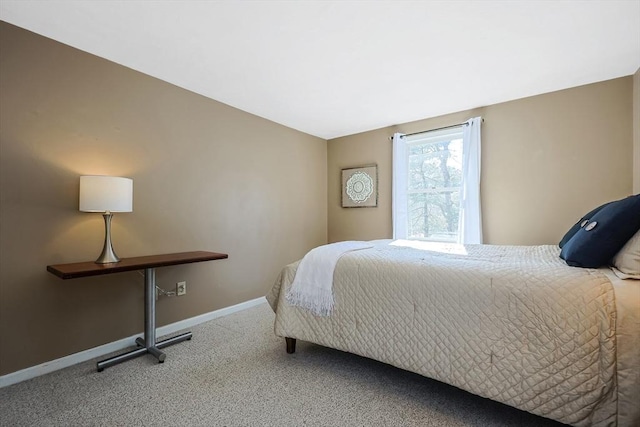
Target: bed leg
{"x": 291, "y": 345}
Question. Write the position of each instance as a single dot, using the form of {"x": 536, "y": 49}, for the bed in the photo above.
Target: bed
{"x": 513, "y": 324}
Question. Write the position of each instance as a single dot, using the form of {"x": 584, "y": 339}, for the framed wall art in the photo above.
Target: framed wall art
{"x": 360, "y": 187}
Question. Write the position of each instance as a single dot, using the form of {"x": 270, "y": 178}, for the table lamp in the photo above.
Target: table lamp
{"x": 106, "y": 194}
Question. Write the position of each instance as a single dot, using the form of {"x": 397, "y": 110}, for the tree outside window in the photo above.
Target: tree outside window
{"x": 434, "y": 182}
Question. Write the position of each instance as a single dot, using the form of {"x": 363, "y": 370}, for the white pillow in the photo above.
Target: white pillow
{"x": 627, "y": 260}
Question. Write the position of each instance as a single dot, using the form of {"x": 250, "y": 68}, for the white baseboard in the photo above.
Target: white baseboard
{"x": 83, "y": 356}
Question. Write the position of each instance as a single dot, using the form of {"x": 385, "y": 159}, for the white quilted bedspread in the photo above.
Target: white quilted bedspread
{"x": 510, "y": 323}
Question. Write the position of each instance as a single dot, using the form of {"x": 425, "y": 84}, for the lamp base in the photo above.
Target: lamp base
{"x": 108, "y": 256}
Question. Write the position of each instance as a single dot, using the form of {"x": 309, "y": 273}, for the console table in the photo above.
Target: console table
{"x": 148, "y": 344}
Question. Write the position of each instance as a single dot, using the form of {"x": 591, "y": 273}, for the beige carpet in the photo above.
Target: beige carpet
{"x": 235, "y": 372}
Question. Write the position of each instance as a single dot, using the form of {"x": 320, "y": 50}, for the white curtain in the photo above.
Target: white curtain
{"x": 470, "y": 222}
{"x": 400, "y": 183}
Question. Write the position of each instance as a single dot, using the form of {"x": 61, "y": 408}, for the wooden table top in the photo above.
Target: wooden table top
{"x": 90, "y": 268}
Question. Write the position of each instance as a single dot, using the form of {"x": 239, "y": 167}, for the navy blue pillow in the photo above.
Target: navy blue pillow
{"x": 573, "y": 230}
{"x": 605, "y": 234}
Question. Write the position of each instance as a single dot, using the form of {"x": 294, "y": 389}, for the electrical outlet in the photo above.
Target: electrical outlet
{"x": 181, "y": 288}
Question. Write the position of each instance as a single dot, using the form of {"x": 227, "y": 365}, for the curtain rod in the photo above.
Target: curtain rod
{"x": 433, "y": 130}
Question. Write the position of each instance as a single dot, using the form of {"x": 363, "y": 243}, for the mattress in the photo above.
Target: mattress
{"x": 510, "y": 323}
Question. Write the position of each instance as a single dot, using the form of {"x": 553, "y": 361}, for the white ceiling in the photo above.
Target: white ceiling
{"x": 334, "y": 68}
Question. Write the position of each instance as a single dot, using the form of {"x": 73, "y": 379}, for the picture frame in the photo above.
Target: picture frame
{"x": 360, "y": 187}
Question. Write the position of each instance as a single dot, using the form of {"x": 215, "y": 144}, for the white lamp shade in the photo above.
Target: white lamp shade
{"x": 106, "y": 193}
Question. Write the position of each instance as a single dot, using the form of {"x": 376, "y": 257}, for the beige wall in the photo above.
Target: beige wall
{"x": 546, "y": 160}
{"x": 206, "y": 177}
{"x": 636, "y": 132}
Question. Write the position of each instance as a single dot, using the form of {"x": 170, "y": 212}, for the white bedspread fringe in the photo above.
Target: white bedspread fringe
{"x": 312, "y": 287}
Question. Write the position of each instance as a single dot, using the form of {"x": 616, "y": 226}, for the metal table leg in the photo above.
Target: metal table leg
{"x": 148, "y": 345}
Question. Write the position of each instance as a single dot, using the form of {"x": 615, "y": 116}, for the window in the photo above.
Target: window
{"x": 434, "y": 161}
{"x": 436, "y": 184}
